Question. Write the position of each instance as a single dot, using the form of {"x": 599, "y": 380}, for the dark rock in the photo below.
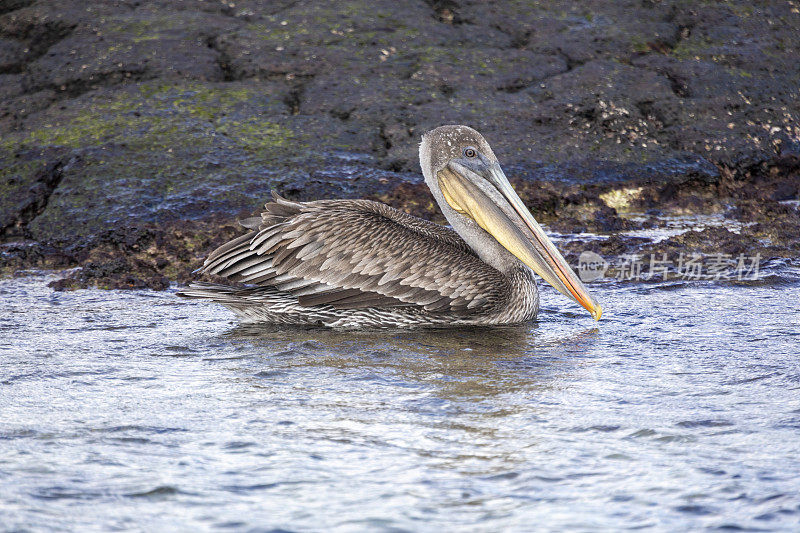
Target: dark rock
{"x": 607, "y": 220}
{"x": 152, "y": 45}
{"x": 165, "y": 116}
{"x": 11, "y": 56}
{"x": 19, "y": 255}
{"x": 25, "y": 197}
{"x": 114, "y": 274}
{"x": 709, "y": 240}
{"x": 11, "y": 5}
{"x": 786, "y": 189}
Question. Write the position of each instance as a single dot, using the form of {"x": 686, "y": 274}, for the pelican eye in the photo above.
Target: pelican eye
{"x": 470, "y": 152}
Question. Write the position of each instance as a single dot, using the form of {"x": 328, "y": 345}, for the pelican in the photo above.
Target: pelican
{"x": 359, "y": 263}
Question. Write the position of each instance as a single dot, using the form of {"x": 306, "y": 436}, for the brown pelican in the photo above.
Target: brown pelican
{"x": 358, "y": 263}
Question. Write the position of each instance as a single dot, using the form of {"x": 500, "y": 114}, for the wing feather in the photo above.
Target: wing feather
{"x": 356, "y": 254}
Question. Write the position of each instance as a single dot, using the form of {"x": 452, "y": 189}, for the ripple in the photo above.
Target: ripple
{"x": 600, "y": 428}
{"x": 699, "y": 510}
{"x": 662, "y": 417}
{"x": 160, "y": 492}
{"x": 704, "y": 423}
{"x": 250, "y": 488}
{"x": 66, "y": 493}
{"x": 238, "y": 445}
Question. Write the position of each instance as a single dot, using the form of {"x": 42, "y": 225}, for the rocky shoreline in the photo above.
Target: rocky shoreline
{"x": 135, "y": 134}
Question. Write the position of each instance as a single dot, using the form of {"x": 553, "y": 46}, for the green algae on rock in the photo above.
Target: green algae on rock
{"x": 165, "y": 115}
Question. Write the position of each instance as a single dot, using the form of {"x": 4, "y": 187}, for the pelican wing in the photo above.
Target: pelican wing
{"x": 356, "y": 254}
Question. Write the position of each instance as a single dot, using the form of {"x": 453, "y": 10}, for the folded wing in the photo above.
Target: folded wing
{"x": 357, "y": 254}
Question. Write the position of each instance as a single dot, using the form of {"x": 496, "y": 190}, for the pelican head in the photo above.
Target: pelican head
{"x": 471, "y": 188}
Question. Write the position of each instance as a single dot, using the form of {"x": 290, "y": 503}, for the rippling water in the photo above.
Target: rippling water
{"x": 679, "y": 410}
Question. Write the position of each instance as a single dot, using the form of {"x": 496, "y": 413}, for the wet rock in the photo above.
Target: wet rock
{"x": 774, "y": 222}
{"x": 787, "y": 189}
{"x": 567, "y": 225}
{"x": 116, "y": 273}
{"x": 136, "y": 257}
{"x": 25, "y": 196}
{"x": 171, "y": 114}
{"x": 611, "y": 249}
{"x": 11, "y": 53}
{"x": 25, "y": 255}
{"x": 607, "y": 220}
{"x": 713, "y": 239}
{"x": 152, "y": 45}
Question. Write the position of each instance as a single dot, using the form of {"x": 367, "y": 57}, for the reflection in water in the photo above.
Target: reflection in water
{"x": 462, "y": 383}
{"x": 467, "y": 363}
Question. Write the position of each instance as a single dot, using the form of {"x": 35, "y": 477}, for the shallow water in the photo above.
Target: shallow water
{"x": 133, "y": 410}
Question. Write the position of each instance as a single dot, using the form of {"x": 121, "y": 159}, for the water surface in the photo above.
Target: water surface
{"x": 133, "y": 410}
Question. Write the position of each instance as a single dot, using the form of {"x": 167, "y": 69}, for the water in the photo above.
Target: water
{"x": 680, "y": 410}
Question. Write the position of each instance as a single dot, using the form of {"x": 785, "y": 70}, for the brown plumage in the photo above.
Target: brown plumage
{"x": 355, "y": 263}
{"x": 358, "y": 254}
